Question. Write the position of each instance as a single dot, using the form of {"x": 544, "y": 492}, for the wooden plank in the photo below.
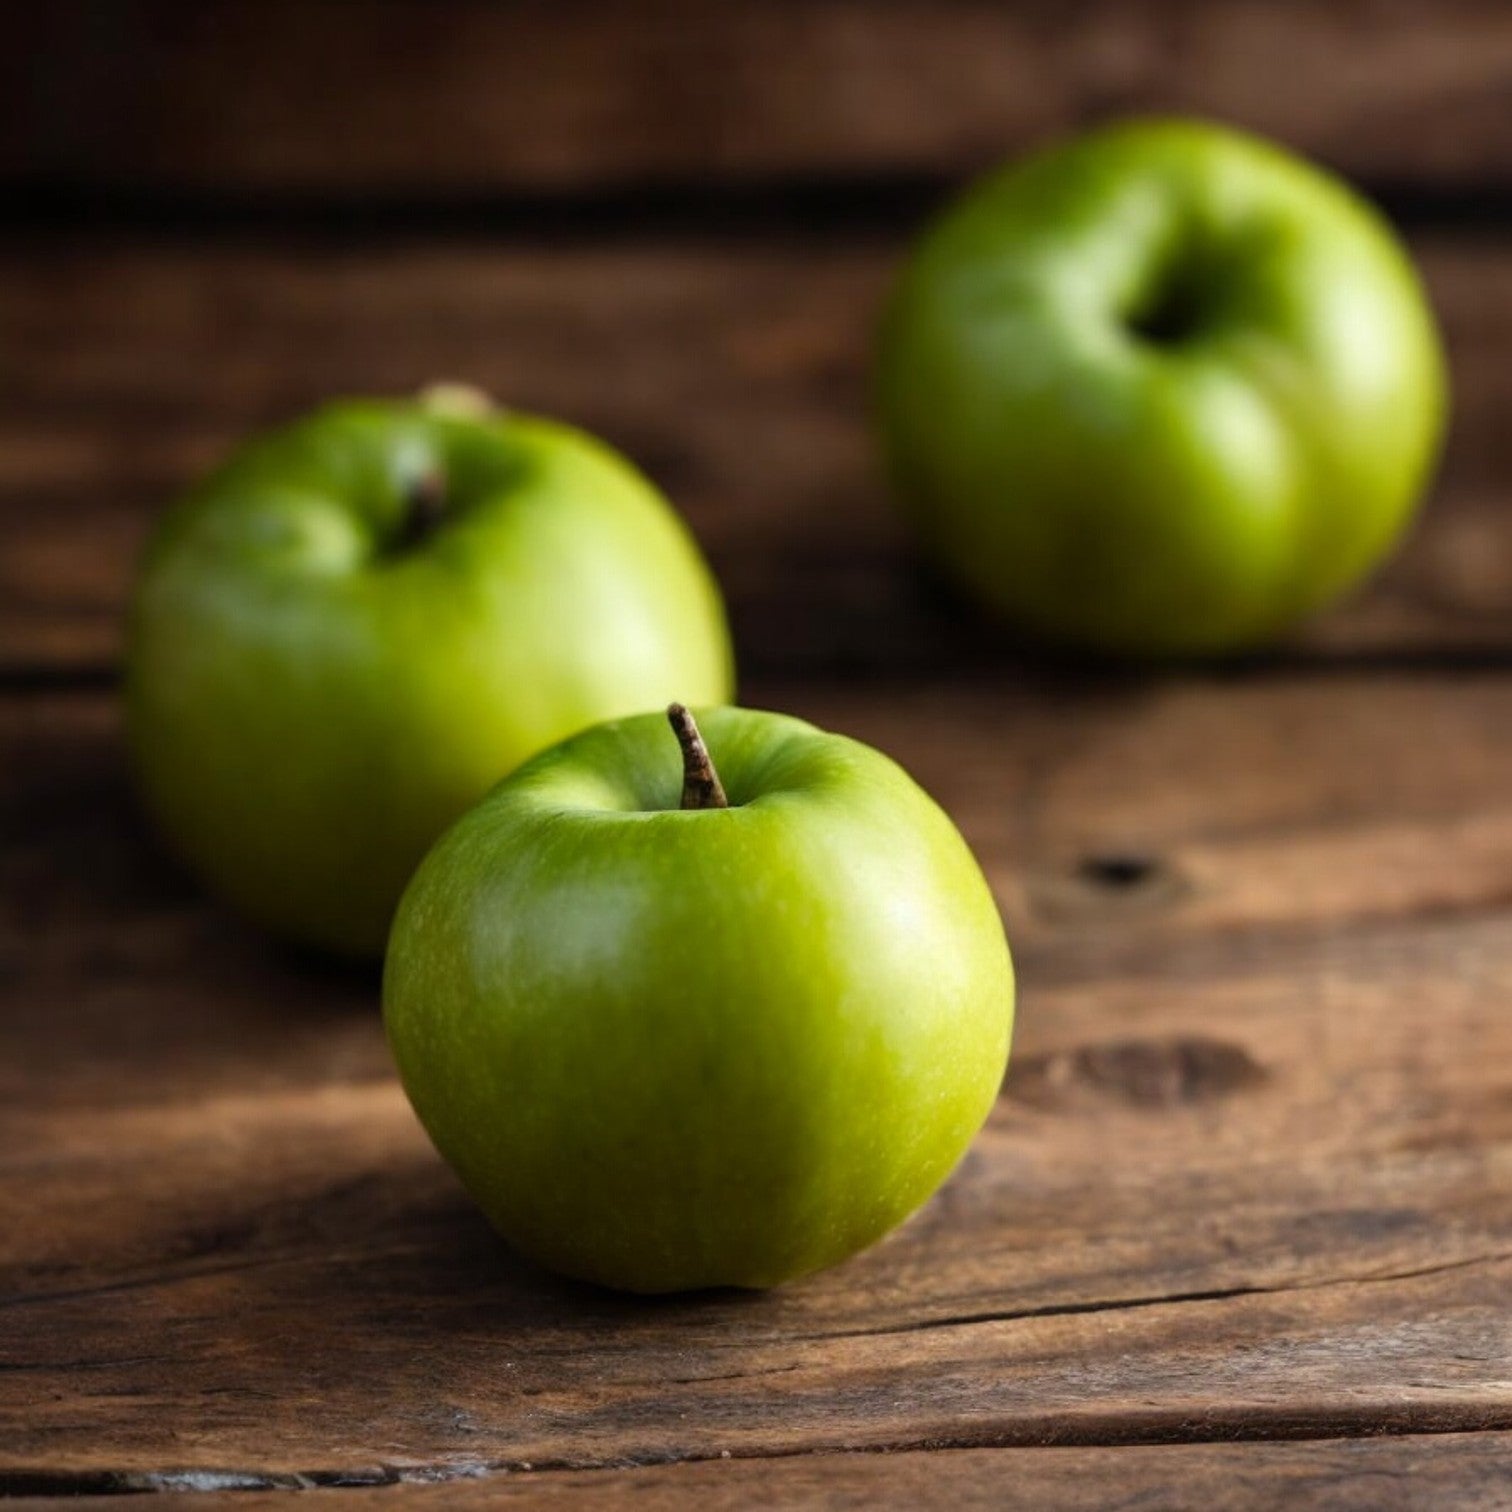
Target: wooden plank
{"x": 1464, "y": 1472}
{"x": 736, "y": 375}
{"x": 1248, "y": 1178}
{"x": 474, "y": 98}
{"x": 1128, "y": 830}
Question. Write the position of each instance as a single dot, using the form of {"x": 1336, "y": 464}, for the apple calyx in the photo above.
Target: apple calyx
{"x": 701, "y": 788}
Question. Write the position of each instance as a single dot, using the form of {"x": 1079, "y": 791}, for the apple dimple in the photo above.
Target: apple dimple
{"x": 426, "y": 505}
{"x": 1175, "y": 305}
{"x": 436, "y": 473}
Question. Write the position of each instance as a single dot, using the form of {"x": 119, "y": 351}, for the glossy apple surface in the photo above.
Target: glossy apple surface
{"x": 672, "y": 1048}
{"x": 355, "y": 627}
{"x": 1160, "y": 391}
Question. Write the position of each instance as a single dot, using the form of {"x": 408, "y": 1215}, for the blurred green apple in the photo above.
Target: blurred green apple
{"x": 670, "y": 1041}
{"x": 356, "y": 626}
{"x": 1160, "y": 391}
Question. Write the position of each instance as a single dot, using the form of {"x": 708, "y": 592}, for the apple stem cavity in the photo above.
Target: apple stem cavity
{"x": 701, "y": 788}
{"x": 425, "y": 508}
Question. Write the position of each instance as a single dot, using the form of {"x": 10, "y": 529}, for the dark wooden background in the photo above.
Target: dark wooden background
{"x": 1240, "y": 1230}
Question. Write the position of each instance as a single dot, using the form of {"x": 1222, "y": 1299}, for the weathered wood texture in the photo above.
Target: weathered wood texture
{"x": 1248, "y": 1178}
{"x": 1248, "y": 1181}
{"x": 1466, "y": 1472}
{"x": 736, "y": 376}
{"x": 428, "y": 101}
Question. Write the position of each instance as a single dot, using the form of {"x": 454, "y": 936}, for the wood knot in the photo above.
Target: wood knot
{"x": 1117, "y": 871}
{"x": 1148, "y": 1074}
{"x": 1107, "y": 884}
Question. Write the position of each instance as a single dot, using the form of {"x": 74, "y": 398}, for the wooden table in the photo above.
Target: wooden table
{"x": 1239, "y": 1231}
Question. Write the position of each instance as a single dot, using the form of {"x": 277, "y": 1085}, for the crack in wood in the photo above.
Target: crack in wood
{"x": 1117, "y": 1431}
{"x": 1171, "y": 1299}
{"x": 1247, "y": 1423}
{"x": 960, "y": 1320}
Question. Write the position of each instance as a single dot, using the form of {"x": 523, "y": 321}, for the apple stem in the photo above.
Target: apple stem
{"x": 424, "y": 507}
{"x": 702, "y": 788}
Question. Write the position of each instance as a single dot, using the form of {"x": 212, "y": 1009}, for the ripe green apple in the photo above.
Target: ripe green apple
{"x": 717, "y": 1036}
{"x": 356, "y": 626}
{"x": 1159, "y": 391}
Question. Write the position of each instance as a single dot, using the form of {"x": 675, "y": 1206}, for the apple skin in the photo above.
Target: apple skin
{"x": 1161, "y": 391}
{"x": 311, "y": 701}
{"x": 666, "y": 1049}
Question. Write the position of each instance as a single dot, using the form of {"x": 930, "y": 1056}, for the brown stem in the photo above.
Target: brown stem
{"x": 424, "y": 508}
{"x": 701, "y": 785}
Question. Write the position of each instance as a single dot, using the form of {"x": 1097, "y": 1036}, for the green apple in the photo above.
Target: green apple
{"x": 676, "y": 1034}
{"x": 356, "y": 626}
{"x": 1160, "y": 391}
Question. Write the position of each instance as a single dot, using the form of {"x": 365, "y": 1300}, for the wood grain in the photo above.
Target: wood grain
{"x": 1247, "y": 1180}
{"x": 1307, "y": 810}
{"x": 1237, "y": 1233}
{"x": 734, "y": 374}
{"x": 1447, "y": 1473}
{"x": 426, "y": 101}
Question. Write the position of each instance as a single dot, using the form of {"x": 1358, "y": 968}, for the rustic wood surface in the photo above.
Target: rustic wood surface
{"x": 1248, "y": 1178}
{"x": 1459, "y": 1473}
{"x": 1238, "y": 1233}
{"x": 297, "y": 97}
{"x": 734, "y": 373}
